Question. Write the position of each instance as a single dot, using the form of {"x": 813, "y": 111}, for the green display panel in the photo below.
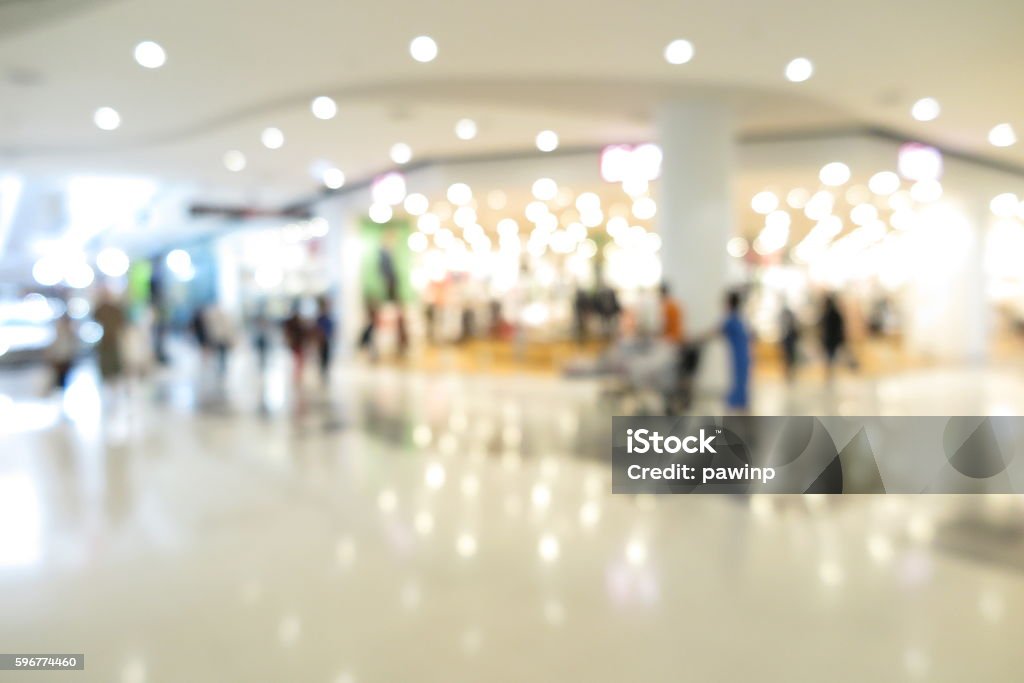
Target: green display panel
{"x": 392, "y": 236}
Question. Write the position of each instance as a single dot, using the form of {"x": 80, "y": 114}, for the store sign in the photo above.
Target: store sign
{"x": 621, "y": 163}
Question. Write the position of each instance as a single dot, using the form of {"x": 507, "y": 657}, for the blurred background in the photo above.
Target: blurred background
{"x": 313, "y": 318}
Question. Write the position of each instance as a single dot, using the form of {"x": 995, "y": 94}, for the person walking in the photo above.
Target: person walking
{"x": 111, "y": 318}
{"x": 324, "y": 337}
{"x": 295, "y": 336}
{"x": 833, "y": 332}
{"x": 672, "y": 320}
{"x": 61, "y": 353}
{"x": 789, "y": 339}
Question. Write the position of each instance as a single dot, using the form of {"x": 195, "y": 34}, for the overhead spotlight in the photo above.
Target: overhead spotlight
{"x": 324, "y": 108}
{"x": 679, "y": 52}
{"x": 401, "y": 153}
{"x": 926, "y": 109}
{"x": 106, "y": 118}
{"x": 547, "y": 141}
{"x": 423, "y": 49}
{"x": 1002, "y": 135}
{"x": 416, "y": 204}
{"x": 112, "y": 262}
{"x": 884, "y": 183}
{"x": 272, "y": 138}
{"x": 465, "y": 129}
{"x": 764, "y": 202}
{"x": 234, "y": 161}
{"x": 380, "y": 212}
{"x": 799, "y": 70}
{"x": 179, "y": 262}
{"x": 545, "y": 189}
{"x": 834, "y": 174}
{"x": 459, "y": 194}
{"x": 333, "y": 178}
{"x": 150, "y": 55}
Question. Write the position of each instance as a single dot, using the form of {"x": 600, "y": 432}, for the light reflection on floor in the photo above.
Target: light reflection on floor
{"x": 407, "y": 527}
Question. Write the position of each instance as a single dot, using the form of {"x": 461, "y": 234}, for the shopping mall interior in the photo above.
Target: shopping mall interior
{"x": 314, "y": 317}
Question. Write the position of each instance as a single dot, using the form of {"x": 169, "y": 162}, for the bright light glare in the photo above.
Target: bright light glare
{"x": 234, "y": 161}
{"x": 547, "y": 141}
{"x": 333, "y": 178}
{"x": 272, "y": 138}
{"x": 926, "y": 109}
{"x": 150, "y": 55}
{"x": 764, "y": 202}
{"x": 1002, "y": 135}
{"x": 423, "y": 49}
{"x": 416, "y": 204}
{"x": 112, "y": 262}
{"x": 465, "y": 129}
{"x": 799, "y": 70}
{"x": 679, "y": 52}
{"x": 179, "y": 262}
{"x": 459, "y": 194}
{"x": 401, "y": 153}
{"x": 834, "y": 174}
{"x": 380, "y": 213}
{"x": 884, "y": 183}
{"x": 106, "y": 118}
{"x": 1004, "y": 205}
{"x": 926, "y": 191}
{"x": 545, "y": 189}
{"x": 324, "y": 108}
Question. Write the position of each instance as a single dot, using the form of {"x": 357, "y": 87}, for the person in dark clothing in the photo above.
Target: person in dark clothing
{"x": 790, "y": 338}
{"x": 324, "y": 336}
{"x": 295, "y": 335}
{"x": 833, "y": 332}
{"x": 366, "y": 338}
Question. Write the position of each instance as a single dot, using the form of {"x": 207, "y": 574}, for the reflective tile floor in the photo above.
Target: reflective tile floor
{"x": 402, "y": 527}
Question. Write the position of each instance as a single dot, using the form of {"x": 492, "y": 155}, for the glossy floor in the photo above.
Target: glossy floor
{"x": 402, "y": 527}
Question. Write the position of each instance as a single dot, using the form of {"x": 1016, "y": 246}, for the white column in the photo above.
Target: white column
{"x": 343, "y": 256}
{"x": 695, "y": 214}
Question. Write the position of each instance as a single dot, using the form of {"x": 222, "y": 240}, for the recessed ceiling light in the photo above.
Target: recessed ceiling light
{"x": 799, "y": 70}
{"x": 234, "y": 161}
{"x": 333, "y": 178}
{"x": 106, "y": 118}
{"x": 423, "y": 49}
{"x": 465, "y": 129}
{"x": 401, "y": 153}
{"x": 926, "y": 109}
{"x": 1002, "y": 135}
{"x": 324, "y": 108}
{"x": 150, "y": 55}
{"x": 834, "y": 174}
{"x": 679, "y": 52}
{"x": 272, "y": 138}
{"x": 547, "y": 141}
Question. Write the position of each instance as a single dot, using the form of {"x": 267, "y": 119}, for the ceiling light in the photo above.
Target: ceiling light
{"x": 401, "y": 153}
{"x": 465, "y": 129}
{"x": 179, "y": 262}
{"x": 150, "y": 55}
{"x": 644, "y": 208}
{"x": 324, "y": 108}
{"x": 834, "y": 174}
{"x": 459, "y": 194}
{"x": 679, "y": 52}
{"x": 1004, "y": 205}
{"x": 545, "y": 189}
{"x": 884, "y": 183}
{"x": 48, "y": 271}
{"x": 764, "y": 202}
{"x": 926, "y": 109}
{"x": 333, "y": 178}
{"x": 234, "y": 161}
{"x": 926, "y": 191}
{"x": 106, "y": 118}
{"x": 423, "y": 49}
{"x": 79, "y": 275}
{"x": 547, "y": 141}
{"x": 1000, "y": 136}
{"x": 380, "y": 213}
{"x": 272, "y": 138}
{"x": 112, "y": 262}
{"x": 416, "y": 204}
{"x": 797, "y": 197}
{"x": 799, "y": 70}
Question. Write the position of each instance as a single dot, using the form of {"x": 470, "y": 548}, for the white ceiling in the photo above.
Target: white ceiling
{"x": 593, "y": 72}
